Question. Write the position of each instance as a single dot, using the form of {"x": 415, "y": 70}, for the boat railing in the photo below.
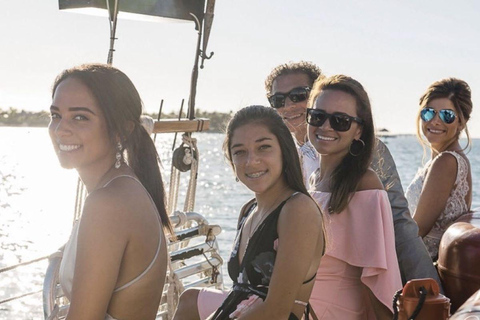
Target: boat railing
{"x": 14, "y": 267}
{"x": 194, "y": 261}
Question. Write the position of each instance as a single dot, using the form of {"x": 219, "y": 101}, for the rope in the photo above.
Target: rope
{"x": 418, "y": 308}
{"x": 189, "y": 204}
{"x": 175, "y": 288}
{"x": 173, "y": 192}
{"x": 395, "y": 306}
{"x": 23, "y": 264}
{"x": 192, "y": 185}
{"x": 215, "y": 271}
{"x": 20, "y": 296}
{"x": 423, "y": 296}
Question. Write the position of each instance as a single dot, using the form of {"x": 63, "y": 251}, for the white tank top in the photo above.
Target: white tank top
{"x": 67, "y": 266}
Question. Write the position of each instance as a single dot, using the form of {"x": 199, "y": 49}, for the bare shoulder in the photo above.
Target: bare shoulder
{"x": 301, "y": 208}
{"x": 445, "y": 159}
{"x": 300, "y": 218}
{"x": 444, "y": 164}
{"x": 116, "y": 204}
{"x": 370, "y": 181}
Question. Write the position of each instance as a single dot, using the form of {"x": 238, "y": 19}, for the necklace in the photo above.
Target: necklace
{"x": 262, "y": 216}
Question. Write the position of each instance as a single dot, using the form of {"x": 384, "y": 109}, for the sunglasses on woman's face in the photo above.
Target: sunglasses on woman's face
{"x": 297, "y": 94}
{"x": 338, "y": 121}
{"x": 447, "y": 115}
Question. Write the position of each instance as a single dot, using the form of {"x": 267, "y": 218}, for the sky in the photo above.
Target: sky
{"x": 396, "y": 49}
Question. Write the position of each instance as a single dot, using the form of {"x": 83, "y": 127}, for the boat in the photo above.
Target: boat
{"x": 194, "y": 257}
{"x": 194, "y": 254}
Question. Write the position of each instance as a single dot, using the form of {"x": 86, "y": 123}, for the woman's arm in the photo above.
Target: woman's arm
{"x": 298, "y": 255}
{"x": 102, "y": 240}
{"x": 437, "y": 187}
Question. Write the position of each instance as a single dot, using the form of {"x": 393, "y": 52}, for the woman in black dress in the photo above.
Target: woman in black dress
{"x": 280, "y": 239}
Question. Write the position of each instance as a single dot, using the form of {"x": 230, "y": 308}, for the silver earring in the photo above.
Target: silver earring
{"x": 118, "y": 155}
{"x": 236, "y": 179}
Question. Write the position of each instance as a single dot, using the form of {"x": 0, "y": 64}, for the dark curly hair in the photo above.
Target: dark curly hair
{"x": 305, "y": 67}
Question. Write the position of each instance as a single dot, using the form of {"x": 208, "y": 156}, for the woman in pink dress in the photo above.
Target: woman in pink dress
{"x": 358, "y": 275}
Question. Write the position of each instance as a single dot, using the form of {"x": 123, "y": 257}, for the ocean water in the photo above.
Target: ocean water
{"x": 37, "y": 199}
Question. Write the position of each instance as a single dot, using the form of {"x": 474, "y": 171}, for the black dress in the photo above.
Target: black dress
{"x": 253, "y": 275}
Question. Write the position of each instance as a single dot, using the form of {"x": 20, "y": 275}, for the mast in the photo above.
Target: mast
{"x": 112, "y": 9}
{"x": 198, "y": 11}
{"x": 199, "y": 53}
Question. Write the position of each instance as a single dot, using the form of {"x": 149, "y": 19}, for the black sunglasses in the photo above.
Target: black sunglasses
{"x": 338, "y": 121}
{"x": 297, "y": 94}
{"x": 447, "y": 115}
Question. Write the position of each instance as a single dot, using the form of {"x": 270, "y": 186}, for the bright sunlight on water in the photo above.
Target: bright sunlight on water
{"x": 37, "y": 200}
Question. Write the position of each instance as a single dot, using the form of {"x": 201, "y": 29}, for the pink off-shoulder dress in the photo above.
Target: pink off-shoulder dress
{"x": 360, "y": 253}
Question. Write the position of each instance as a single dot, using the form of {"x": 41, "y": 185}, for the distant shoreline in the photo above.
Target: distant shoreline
{"x": 21, "y": 118}
{"x": 213, "y": 129}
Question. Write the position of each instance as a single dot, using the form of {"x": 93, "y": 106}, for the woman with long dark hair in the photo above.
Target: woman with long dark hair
{"x": 359, "y": 274}
{"x": 115, "y": 261}
{"x": 279, "y": 239}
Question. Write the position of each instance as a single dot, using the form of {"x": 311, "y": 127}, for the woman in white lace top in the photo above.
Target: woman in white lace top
{"x": 442, "y": 190}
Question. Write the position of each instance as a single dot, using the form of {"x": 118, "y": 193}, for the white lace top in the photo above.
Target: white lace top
{"x": 456, "y": 204}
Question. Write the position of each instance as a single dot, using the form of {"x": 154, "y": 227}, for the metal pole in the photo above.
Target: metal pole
{"x": 158, "y": 119}
{"x": 112, "y": 15}
{"x": 193, "y": 83}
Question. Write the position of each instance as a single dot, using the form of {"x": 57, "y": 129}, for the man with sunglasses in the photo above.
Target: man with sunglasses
{"x": 288, "y": 87}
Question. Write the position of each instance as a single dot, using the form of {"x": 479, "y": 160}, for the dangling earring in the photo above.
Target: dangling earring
{"x": 357, "y": 147}
{"x": 118, "y": 155}
{"x": 236, "y": 179}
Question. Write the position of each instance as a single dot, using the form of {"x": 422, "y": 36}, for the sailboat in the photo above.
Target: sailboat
{"x": 194, "y": 254}
{"x": 195, "y": 260}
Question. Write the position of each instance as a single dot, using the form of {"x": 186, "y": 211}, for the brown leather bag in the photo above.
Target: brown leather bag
{"x": 421, "y": 299}
{"x": 458, "y": 262}
{"x": 470, "y": 310}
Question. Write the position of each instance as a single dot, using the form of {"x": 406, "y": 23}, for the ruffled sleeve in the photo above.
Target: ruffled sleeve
{"x": 363, "y": 236}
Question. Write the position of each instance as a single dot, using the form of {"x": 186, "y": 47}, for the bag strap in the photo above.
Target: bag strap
{"x": 418, "y": 308}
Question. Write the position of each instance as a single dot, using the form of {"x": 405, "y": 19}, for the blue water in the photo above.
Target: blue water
{"x": 37, "y": 200}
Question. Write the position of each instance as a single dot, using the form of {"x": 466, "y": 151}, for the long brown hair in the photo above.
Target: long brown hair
{"x": 347, "y": 175}
{"x": 121, "y": 105}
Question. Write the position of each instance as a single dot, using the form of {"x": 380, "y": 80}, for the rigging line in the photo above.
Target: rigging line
{"x": 20, "y": 296}
{"x": 23, "y": 264}
{"x": 179, "y": 117}
{"x": 158, "y": 119}
{"x": 191, "y": 190}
